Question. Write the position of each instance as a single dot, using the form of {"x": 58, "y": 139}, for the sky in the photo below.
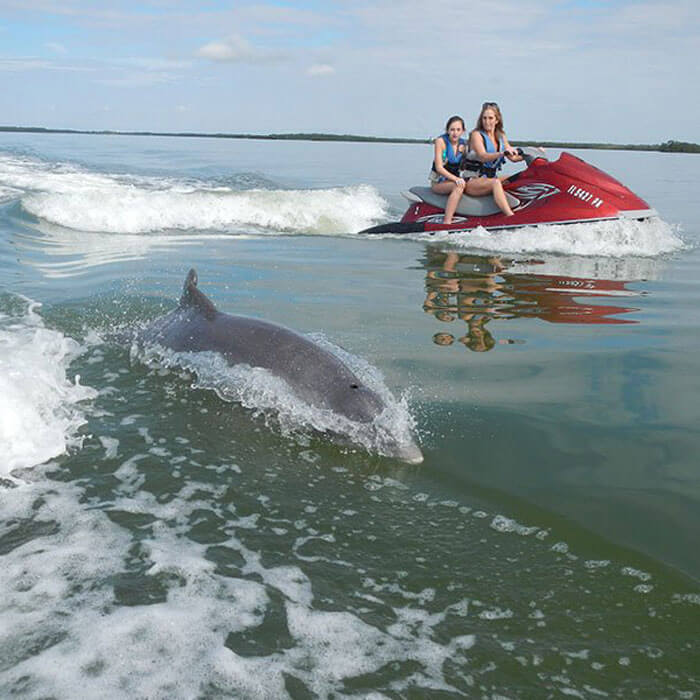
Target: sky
{"x": 621, "y": 71}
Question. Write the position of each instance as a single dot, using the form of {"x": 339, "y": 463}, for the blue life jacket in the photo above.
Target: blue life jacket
{"x": 450, "y": 159}
{"x": 491, "y": 168}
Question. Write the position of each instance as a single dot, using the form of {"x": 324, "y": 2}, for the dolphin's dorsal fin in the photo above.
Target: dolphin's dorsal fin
{"x": 192, "y": 297}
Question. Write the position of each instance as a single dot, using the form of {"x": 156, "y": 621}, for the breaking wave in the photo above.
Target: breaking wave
{"x": 76, "y": 198}
{"x": 40, "y": 410}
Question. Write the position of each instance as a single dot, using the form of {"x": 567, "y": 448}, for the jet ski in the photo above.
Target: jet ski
{"x": 565, "y": 191}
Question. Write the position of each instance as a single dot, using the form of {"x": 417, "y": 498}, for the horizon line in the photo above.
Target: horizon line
{"x": 670, "y": 145}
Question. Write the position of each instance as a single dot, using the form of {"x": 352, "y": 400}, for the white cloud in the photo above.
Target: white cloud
{"x": 235, "y": 49}
{"x": 320, "y": 69}
{"x": 224, "y": 51}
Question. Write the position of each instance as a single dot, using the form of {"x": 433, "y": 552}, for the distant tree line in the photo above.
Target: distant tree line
{"x": 679, "y": 147}
{"x": 666, "y": 147}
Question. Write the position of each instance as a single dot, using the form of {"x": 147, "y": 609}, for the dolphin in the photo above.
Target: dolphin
{"x": 314, "y": 375}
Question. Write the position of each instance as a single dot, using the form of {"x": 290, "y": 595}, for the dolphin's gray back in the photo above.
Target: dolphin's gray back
{"x": 315, "y": 374}
{"x": 243, "y": 339}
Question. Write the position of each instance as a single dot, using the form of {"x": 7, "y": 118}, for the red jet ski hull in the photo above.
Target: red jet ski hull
{"x": 564, "y": 191}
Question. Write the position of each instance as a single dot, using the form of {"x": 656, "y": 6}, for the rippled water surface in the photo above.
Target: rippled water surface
{"x": 173, "y": 527}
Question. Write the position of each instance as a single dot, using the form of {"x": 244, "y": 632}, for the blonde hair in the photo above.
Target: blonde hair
{"x": 499, "y": 130}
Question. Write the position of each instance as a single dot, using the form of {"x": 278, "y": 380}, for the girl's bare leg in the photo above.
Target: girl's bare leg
{"x": 454, "y": 192}
{"x": 500, "y": 198}
{"x": 480, "y": 186}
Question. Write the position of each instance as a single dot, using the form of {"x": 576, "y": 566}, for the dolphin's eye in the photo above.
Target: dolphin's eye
{"x": 354, "y": 386}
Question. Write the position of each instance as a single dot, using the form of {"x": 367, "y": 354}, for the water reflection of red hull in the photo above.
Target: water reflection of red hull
{"x": 554, "y": 298}
{"x": 477, "y": 290}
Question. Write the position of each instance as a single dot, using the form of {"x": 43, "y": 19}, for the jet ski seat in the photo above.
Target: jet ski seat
{"x": 468, "y": 206}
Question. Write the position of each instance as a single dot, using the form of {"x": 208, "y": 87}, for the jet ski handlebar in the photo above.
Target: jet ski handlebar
{"x": 530, "y": 153}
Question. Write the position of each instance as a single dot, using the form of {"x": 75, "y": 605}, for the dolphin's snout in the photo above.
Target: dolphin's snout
{"x": 410, "y": 453}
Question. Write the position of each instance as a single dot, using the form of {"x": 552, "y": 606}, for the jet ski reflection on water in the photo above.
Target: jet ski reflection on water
{"x": 564, "y": 191}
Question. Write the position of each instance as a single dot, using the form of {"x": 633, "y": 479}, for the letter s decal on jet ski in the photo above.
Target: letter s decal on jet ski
{"x": 527, "y": 194}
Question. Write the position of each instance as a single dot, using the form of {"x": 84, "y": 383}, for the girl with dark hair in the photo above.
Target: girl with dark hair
{"x": 444, "y": 175}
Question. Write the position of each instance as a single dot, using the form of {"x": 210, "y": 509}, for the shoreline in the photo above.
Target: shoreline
{"x": 666, "y": 147}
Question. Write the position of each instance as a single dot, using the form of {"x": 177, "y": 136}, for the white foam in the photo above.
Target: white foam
{"x": 75, "y": 198}
{"x": 333, "y": 646}
{"x": 692, "y": 598}
{"x": 40, "y": 409}
{"x": 128, "y": 209}
{"x": 621, "y": 238}
{"x": 593, "y": 564}
{"x": 496, "y": 614}
{"x": 53, "y": 584}
{"x": 63, "y": 633}
{"x": 501, "y": 523}
{"x": 7, "y": 194}
{"x": 636, "y": 573}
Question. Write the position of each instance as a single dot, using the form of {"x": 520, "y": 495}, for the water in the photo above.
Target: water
{"x": 175, "y": 533}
